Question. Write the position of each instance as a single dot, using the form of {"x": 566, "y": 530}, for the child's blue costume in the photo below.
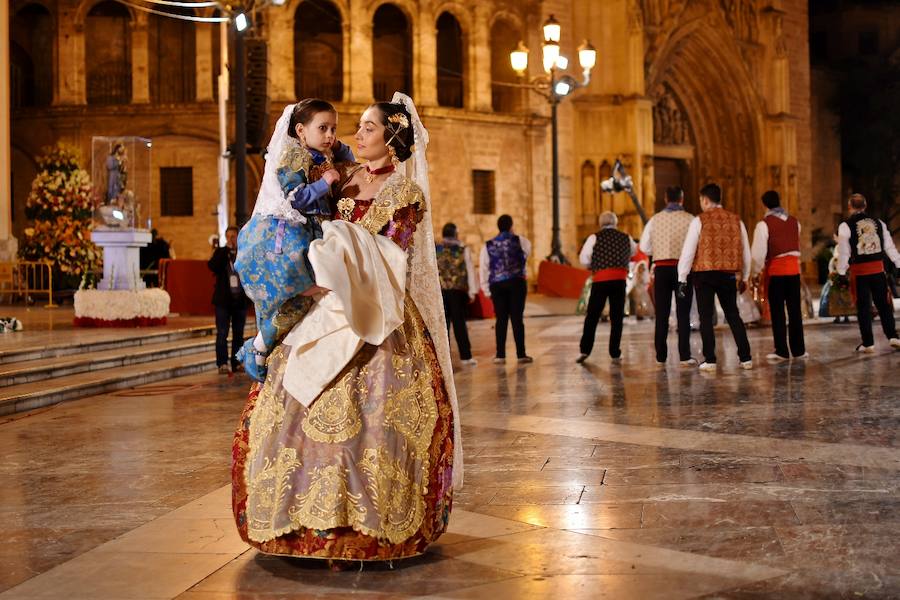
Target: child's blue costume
{"x": 272, "y": 247}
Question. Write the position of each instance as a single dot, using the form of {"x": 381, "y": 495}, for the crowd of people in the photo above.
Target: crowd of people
{"x": 695, "y": 260}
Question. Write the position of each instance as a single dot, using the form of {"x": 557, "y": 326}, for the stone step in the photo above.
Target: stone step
{"x": 22, "y": 372}
{"x": 103, "y": 340}
{"x": 38, "y": 394}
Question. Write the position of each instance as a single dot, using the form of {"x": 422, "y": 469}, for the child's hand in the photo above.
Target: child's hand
{"x": 331, "y": 176}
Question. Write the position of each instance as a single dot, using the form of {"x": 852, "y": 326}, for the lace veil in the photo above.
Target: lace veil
{"x": 271, "y": 202}
{"x": 424, "y": 284}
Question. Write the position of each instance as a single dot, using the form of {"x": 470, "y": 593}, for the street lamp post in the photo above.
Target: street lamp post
{"x": 554, "y": 85}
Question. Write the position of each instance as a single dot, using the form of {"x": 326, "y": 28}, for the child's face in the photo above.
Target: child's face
{"x": 370, "y": 135}
{"x": 320, "y": 133}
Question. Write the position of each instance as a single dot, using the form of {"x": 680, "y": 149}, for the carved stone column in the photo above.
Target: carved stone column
{"x": 480, "y": 59}
{"x": 359, "y": 88}
{"x": 72, "y": 72}
{"x": 281, "y": 54}
{"x": 140, "y": 60}
{"x": 425, "y": 58}
{"x": 5, "y": 163}
{"x": 204, "y": 62}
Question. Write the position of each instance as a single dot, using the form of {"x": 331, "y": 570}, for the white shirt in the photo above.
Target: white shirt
{"x": 484, "y": 264}
{"x": 887, "y": 246}
{"x": 689, "y": 250}
{"x": 760, "y": 249}
{"x": 584, "y": 257}
{"x": 646, "y": 242}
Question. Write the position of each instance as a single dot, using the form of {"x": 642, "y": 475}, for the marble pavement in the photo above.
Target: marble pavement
{"x": 594, "y": 481}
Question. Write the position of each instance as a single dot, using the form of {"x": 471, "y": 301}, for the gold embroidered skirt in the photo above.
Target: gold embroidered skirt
{"x": 364, "y": 473}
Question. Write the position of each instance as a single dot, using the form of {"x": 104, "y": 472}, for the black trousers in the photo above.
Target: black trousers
{"x": 665, "y": 284}
{"x": 709, "y": 286}
{"x": 869, "y": 289}
{"x": 236, "y": 318}
{"x": 785, "y": 290}
{"x": 509, "y": 305}
{"x": 455, "y": 303}
{"x": 601, "y": 291}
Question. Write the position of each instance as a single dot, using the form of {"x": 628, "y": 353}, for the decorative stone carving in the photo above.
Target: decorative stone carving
{"x": 670, "y": 124}
{"x": 743, "y": 18}
{"x": 635, "y": 17}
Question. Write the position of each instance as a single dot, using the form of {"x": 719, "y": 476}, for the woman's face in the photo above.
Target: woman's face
{"x": 320, "y": 132}
{"x": 370, "y": 135}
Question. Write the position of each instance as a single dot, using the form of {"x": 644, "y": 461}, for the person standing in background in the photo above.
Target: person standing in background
{"x": 230, "y": 303}
{"x": 662, "y": 239}
{"x": 458, "y": 287}
{"x": 503, "y": 278}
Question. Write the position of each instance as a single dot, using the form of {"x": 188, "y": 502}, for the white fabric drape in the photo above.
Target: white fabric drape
{"x": 367, "y": 277}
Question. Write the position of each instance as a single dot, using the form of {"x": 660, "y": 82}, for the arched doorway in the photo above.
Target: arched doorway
{"x": 505, "y": 37}
{"x": 318, "y": 51}
{"x": 31, "y": 57}
{"x": 391, "y": 52}
{"x": 173, "y": 70}
{"x": 708, "y": 107}
{"x": 107, "y": 54}
{"x": 450, "y": 61}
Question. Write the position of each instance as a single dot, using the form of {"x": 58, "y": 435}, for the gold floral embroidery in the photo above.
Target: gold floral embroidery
{"x": 397, "y": 192}
{"x": 398, "y": 501}
{"x": 266, "y": 492}
{"x": 296, "y": 158}
{"x": 328, "y": 503}
{"x": 269, "y": 411}
{"x": 412, "y": 412}
{"x": 334, "y": 417}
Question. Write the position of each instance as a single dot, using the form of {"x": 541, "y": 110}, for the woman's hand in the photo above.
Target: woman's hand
{"x": 315, "y": 290}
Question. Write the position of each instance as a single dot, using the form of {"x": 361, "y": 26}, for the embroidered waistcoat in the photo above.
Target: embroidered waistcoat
{"x": 507, "y": 258}
{"x": 865, "y": 239}
{"x": 719, "y": 247}
{"x": 451, "y": 261}
{"x": 612, "y": 250}
{"x": 784, "y": 236}
{"x": 670, "y": 227}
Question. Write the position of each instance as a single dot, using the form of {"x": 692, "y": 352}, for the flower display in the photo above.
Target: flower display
{"x": 61, "y": 207}
{"x": 118, "y": 308}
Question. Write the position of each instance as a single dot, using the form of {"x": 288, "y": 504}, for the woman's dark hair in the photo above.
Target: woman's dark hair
{"x": 770, "y": 199}
{"x": 713, "y": 192}
{"x": 504, "y": 223}
{"x": 449, "y": 230}
{"x": 397, "y": 137}
{"x": 305, "y": 110}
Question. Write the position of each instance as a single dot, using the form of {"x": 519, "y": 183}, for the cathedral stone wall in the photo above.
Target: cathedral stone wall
{"x": 731, "y": 77}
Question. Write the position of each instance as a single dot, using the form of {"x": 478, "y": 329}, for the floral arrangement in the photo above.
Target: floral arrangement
{"x": 61, "y": 207}
{"x": 121, "y": 308}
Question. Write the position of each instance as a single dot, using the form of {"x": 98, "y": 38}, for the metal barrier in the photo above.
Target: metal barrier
{"x": 25, "y": 278}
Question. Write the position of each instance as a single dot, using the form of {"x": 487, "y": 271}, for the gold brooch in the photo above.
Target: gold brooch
{"x": 346, "y": 206}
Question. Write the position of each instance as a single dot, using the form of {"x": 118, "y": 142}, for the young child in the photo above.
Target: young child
{"x": 272, "y": 247}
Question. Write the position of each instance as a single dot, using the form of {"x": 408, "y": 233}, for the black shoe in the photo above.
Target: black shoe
{"x": 525, "y": 360}
{"x": 580, "y": 360}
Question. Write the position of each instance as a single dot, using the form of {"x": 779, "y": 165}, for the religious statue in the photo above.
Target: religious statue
{"x": 116, "y": 167}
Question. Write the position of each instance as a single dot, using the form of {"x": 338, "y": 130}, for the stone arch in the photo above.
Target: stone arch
{"x": 703, "y": 69}
{"x": 392, "y": 47}
{"x": 451, "y": 60}
{"x": 505, "y": 34}
{"x": 86, "y": 6}
{"x": 32, "y": 51}
{"x": 172, "y": 56}
{"x": 319, "y": 50}
{"x": 107, "y": 53}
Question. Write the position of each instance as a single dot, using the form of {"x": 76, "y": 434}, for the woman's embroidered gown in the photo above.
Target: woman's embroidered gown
{"x": 364, "y": 473}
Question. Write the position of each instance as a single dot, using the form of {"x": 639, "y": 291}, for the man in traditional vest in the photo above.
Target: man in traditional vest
{"x": 607, "y": 254}
{"x": 458, "y": 287}
{"x": 502, "y": 266}
{"x": 663, "y": 238}
{"x": 776, "y": 253}
{"x": 715, "y": 251}
{"x": 863, "y": 243}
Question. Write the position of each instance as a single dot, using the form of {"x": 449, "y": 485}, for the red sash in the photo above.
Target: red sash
{"x": 669, "y": 262}
{"x": 614, "y": 274}
{"x": 872, "y": 267}
{"x": 783, "y": 265}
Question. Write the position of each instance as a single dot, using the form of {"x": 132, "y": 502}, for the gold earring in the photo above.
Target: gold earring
{"x": 394, "y": 160}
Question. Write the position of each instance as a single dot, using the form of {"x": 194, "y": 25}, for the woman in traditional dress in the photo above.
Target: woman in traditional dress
{"x": 350, "y": 448}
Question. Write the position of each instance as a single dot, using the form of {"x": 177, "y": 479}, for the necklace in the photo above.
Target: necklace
{"x": 372, "y": 173}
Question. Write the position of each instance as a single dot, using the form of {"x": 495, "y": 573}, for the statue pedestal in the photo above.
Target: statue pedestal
{"x": 121, "y": 257}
